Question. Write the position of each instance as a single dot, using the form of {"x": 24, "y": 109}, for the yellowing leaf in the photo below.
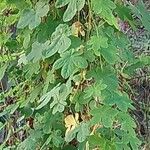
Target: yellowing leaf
{"x": 77, "y": 29}
{"x": 71, "y": 122}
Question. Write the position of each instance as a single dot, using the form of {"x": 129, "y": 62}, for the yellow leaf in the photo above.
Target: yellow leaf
{"x": 77, "y": 28}
{"x": 71, "y": 122}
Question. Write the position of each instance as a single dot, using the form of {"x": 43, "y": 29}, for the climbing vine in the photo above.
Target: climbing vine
{"x": 66, "y": 65}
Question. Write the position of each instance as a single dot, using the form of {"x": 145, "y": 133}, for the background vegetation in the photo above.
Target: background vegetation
{"x": 70, "y": 71}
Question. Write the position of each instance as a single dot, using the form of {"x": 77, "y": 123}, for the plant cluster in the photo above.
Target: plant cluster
{"x": 66, "y": 66}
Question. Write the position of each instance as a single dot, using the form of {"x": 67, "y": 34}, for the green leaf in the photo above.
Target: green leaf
{"x": 99, "y": 42}
{"x": 95, "y": 140}
{"x": 60, "y": 41}
{"x": 105, "y": 9}
{"x": 37, "y": 51}
{"x": 68, "y": 69}
{"x": 25, "y": 18}
{"x": 30, "y": 69}
{"x": 70, "y": 62}
{"x": 107, "y": 75}
{"x": 59, "y": 101}
{"x": 26, "y": 40}
{"x": 71, "y": 135}
{"x": 80, "y": 4}
{"x": 22, "y": 59}
{"x": 13, "y": 107}
{"x": 31, "y": 142}
{"x": 103, "y": 5}
{"x": 48, "y": 120}
{"x": 145, "y": 60}
{"x": 83, "y": 132}
{"x": 58, "y": 105}
{"x": 89, "y": 55}
{"x": 110, "y": 54}
{"x": 44, "y": 100}
{"x": 121, "y": 100}
{"x": 144, "y": 15}
{"x": 33, "y": 96}
{"x": 80, "y": 62}
{"x": 100, "y": 46}
{"x": 28, "y": 18}
{"x": 123, "y": 12}
{"x": 3, "y": 70}
{"x": 127, "y": 138}
{"x": 138, "y": 63}
{"x": 18, "y": 4}
{"x": 31, "y": 17}
{"x": 57, "y": 139}
{"x": 49, "y": 79}
{"x": 41, "y": 8}
{"x": 70, "y": 11}
{"x": 72, "y": 8}
{"x": 94, "y": 90}
{"x": 134, "y": 142}
{"x": 59, "y": 94}
{"x": 105, "y": 115}
{"x": 127, "y": 122}
{"x": 80, "y": 100}
{"x": 59, "y": 63}
{"x": 61, "y": 3}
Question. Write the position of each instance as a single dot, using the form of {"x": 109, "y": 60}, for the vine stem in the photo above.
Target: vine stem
{"x": 96, "y": 28}
{"x": 92, "y": 18}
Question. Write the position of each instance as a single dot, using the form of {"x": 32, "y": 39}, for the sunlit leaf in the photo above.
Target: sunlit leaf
{"x": 72, "y": 8}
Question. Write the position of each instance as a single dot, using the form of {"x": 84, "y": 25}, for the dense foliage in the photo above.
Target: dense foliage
{"x": 64, "y": 71}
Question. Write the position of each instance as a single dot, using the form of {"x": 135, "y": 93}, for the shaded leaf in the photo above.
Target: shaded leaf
{"x": 3, "y": 70}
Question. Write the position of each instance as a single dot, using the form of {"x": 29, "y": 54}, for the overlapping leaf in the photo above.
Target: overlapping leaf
{"x": 3, "y": 70}
{"x": 121, "y": 100}
{"x": 37, "y": 51}
{"x": 30, "y": 69}
{"x": 57, "y": 96}
{"x": 83, "y": 132}
{"x": 32, "y": 18}
{"x": 59, "y": 100}
{"x": 107, "y": 75}
{"x": 142, "y": 13}
{"x": 48, "y": 96}
{"x": 110, "y": 54}
{"x": 104, "y": 115}
{"x": 60, "y": 40}
{"x": 72, "y": 8}
{"x": 70, "y": 62}
{"x": 94, "y": 90}
{"x": 100, "y": 45}
{"x": 105, "y": 9}
{"x": 75, "y": 128}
